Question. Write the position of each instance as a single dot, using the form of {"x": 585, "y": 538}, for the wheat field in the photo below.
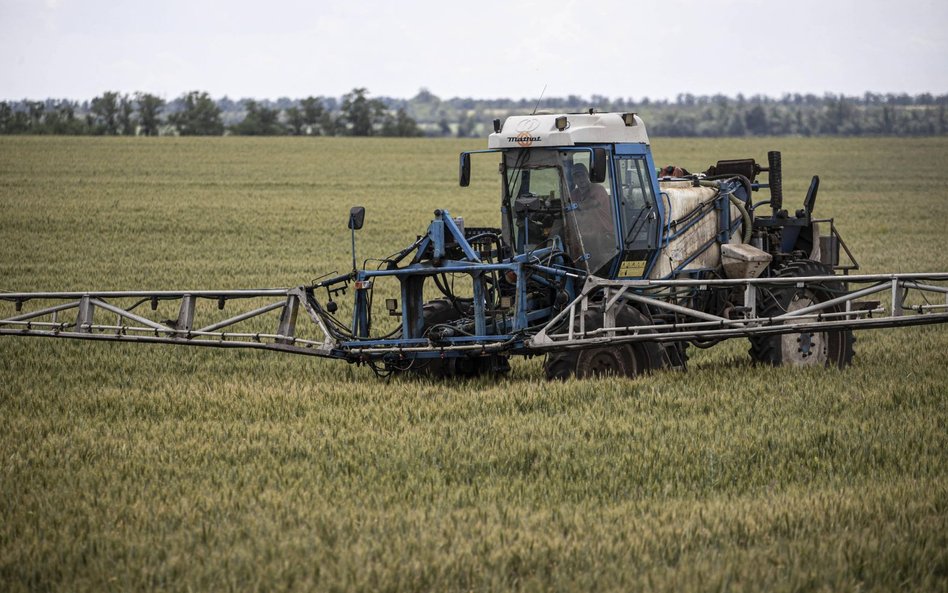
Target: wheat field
{"x": 126, "y": 467}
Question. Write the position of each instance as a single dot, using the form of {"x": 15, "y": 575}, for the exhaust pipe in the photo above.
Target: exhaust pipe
{"x": 775, "y": 175}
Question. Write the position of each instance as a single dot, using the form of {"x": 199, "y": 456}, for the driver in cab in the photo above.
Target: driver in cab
{"x": 585, "y": 192}
{"x": 593, "y": 201}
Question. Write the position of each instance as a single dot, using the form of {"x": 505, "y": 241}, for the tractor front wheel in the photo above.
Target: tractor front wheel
{"x": 623, "y": 360}
{"x": 443, "y": 311}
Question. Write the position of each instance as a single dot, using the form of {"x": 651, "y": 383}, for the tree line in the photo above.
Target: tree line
{"x": 197, "y": 114}
{"x": 358, "y": 114}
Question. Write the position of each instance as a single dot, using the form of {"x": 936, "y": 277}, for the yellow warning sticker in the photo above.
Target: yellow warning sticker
{"x": 632, "y": 267}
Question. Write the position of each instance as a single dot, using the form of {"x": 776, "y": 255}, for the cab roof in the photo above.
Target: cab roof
{"x": 540, "y": 130}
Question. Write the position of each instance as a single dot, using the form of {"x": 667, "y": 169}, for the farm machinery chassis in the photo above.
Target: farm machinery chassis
{"x": 600, "y": 263}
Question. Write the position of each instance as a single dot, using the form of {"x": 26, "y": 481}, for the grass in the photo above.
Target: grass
{"x": 127, "y": 468}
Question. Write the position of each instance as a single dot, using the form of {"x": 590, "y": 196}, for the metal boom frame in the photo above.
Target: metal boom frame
{"x": 74, "y": 315}
{"x": 856, "y": 314}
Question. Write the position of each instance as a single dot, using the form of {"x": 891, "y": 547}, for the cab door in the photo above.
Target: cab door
{"x": 640, "y": 212}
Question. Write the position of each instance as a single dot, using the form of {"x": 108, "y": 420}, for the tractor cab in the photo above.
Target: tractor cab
{"x": 582, "y": 184}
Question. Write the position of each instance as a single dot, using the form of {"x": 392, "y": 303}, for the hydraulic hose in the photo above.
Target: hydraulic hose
{"x": 745, "y": 215}
{"x": 748, "y": 222}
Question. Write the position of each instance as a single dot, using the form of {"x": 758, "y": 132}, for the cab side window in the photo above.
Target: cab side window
{"x": 637, "y": 202}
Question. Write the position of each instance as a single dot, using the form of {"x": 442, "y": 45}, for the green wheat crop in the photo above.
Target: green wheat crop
{"x": 131, "y": 468}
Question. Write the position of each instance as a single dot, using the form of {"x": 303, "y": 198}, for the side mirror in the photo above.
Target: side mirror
{"x": 464, "y": 174}
{"x": 599, "y": 162}
{"x": 356, "y": 217}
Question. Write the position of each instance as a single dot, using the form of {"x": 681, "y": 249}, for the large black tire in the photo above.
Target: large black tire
{"x": 443, "y": 311}
{"x": 623, "y": 360}
{"x": 831, "y": 348}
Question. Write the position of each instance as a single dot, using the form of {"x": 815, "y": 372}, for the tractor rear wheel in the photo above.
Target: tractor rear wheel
{"x": 623, "y": 360}
{"x": 829, "y": 348}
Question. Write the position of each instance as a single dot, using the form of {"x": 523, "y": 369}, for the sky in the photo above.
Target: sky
{"x": 78, "y": 49}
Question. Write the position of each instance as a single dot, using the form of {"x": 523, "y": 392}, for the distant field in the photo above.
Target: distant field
{"x": 127, "y": 468}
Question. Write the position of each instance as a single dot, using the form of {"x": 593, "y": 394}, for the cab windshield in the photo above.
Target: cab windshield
{"x": 548, "y": 194}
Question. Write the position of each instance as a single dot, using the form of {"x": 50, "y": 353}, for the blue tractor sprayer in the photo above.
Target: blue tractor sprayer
{"x": 599, "y": 262}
